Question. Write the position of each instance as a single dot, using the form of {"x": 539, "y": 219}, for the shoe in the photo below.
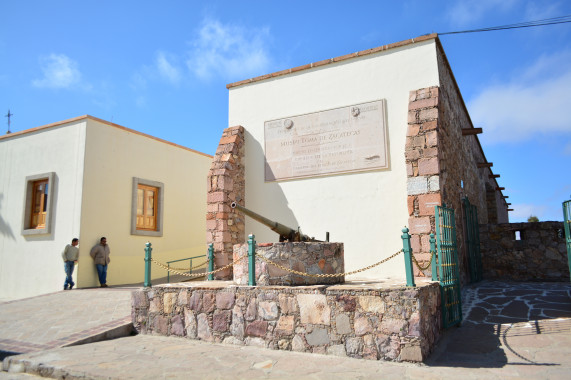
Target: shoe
{"x": 104, "y": 285}
{"x": 71, "y": 286}
{"x": 65, "y": 288}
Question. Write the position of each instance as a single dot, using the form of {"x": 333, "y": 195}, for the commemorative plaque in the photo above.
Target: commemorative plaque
{"x": 341, "y": 140}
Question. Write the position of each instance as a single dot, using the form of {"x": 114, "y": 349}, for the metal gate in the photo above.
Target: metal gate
{"x": 473, "y": 241}
{"x": 448, "y": 269}
{"x": 567, "y": 226}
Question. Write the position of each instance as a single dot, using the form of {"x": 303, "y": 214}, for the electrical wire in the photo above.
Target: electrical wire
{"x": 526, "y": 24}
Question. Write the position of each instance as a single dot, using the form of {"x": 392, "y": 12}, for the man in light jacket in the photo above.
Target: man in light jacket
{"x": 69, "y": 256}
{"x": 100, "y": 255}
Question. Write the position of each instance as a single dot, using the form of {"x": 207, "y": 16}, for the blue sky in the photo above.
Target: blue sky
{"x": 162, "y": 68}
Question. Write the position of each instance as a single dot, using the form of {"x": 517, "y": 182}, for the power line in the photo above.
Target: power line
{"x": 526, "y": 24}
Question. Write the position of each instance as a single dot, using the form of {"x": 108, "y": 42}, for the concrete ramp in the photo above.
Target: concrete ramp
{"x": 65, "y": 318}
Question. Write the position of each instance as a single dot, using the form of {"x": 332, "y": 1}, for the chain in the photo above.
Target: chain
{"x": 328, "y": 275}
{"x": 197, "y": 274}
{"x": 191, "y": 268}
{"x": 427, "y": 265}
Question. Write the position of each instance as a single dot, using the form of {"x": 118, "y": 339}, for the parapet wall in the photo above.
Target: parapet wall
{"x": 539, "y": 255}
{"x": 394, "y": 323}
{"x": 317, "y": 259}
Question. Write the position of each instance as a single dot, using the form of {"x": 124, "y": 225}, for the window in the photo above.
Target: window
{"x": 147, "y": 204}
{"x": 38, "y": 204}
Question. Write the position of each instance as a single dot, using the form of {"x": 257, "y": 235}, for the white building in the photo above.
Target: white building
{"x": 362, "y": 145}
{"x": 88, "y": 178}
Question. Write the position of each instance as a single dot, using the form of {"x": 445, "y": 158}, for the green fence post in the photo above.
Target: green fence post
{"x": 148, "y": 251}
{"x": 433, "y": 261}
{"x": 407, "y": 257}
{"x": 211, "y": 261}
{"x": 251, "y": 260}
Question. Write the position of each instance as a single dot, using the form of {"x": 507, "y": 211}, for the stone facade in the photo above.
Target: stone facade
{"x": 311, "y": 258}
{"x": 540, "y": 255}
{"x": 444, "y": 166}
{"x": 225, "y": 183}
{"x": 396, "y": 324}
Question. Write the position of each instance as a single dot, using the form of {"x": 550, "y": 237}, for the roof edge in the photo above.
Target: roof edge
{"x": 361, "y": 53}
{"x": 89, "y": 117}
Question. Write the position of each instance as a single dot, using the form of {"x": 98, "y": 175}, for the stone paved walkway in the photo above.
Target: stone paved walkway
{"x": 63, "y": 318}
{"x": 509, "y": 331}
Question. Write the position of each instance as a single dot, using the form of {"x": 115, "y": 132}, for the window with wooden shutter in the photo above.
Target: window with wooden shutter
{"x": 39, "y": 204}
{"x": 147, "y": 207}
{"x": 147, "y": 201}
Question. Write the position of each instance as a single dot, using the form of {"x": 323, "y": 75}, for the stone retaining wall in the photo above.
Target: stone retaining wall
{"x": 396, "y": 324}
{"x": 540, "y": 255}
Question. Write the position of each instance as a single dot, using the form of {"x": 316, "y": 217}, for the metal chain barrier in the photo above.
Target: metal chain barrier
{"x": 427, "y": 265}
{"x": 328, "y": 275}
{"x": 197, "y": 274}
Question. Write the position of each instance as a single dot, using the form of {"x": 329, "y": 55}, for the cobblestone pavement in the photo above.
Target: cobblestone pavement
{"x": 510, "y": 330}
{"x": 62, "y": 318}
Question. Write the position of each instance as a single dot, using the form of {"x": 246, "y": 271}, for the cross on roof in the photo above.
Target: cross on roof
{"x": 8, "y": 115}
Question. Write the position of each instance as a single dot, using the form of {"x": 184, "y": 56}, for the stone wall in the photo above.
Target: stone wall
{"x": 423, "y": 170}
{"x": 540, "y": 255}
{"x": 443, "y": 166}
{"x": 307, "y": 257}
{"x": 225, "y": 184}
{"x": 397, "y": 324}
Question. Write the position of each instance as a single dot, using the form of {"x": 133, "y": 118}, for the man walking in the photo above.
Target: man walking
{"x": 100, "y": 255}
{"x": 69, "y": 256}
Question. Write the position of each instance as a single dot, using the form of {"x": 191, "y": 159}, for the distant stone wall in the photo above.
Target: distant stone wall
{"x": 225, "y": 184}
{"x": 307, "y": 257}
{"x": 540, "y": 255}
{"x": 396, "y": 324}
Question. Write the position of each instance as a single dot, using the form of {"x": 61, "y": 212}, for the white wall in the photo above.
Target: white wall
{"x": 32, "y": 265}
{"x": 114, "y": 156}
{"x": 366, "y": 211}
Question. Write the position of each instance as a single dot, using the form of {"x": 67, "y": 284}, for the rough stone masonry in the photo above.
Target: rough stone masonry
{"x": 393, "y": 323}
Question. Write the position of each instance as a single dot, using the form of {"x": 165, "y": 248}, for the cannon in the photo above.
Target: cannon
{"x": 286, "y": 233}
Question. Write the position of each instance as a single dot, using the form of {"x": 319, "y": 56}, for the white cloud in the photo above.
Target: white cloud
{"x": 536, "y": 11}
{"x": 59, "y": 72}
{"x": 230, "y": 51}
{"x": 167, "y": 69}
{"x": 535, "y": 101}
{"x": 467, "y": 12}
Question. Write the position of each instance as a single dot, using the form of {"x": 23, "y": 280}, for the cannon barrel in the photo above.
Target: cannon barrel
{"x": 285, "y": 232}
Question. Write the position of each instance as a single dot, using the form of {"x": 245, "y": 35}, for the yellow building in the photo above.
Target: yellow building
{"x": 88, "y": 178}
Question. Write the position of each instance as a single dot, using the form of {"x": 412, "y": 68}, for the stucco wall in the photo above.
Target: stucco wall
{"x": 365, "y": 211}
{"x": 32, "y": 264}
{"x": 113, "y": 156}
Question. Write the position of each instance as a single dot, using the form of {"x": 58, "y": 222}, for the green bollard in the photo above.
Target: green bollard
{"x": 251, "y": 260}
{"x": 433, "y": 262}
{"x": 407, "y": 258}
{"x": 211, "y": 261}
{"x": 148, "y": 251}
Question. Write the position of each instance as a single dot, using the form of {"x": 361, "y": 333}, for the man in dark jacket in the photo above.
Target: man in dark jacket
{"x": 100, "y": 255}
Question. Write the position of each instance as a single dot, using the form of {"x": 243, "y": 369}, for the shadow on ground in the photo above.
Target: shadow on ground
{"x": 506, "y": 323}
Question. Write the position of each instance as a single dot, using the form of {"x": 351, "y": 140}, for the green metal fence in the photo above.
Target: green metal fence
{"x": 567, "y": 225}
{"x": 190, "y": 267}
{"x": 448, "y": 270}
{"x": 473, "y": 241}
